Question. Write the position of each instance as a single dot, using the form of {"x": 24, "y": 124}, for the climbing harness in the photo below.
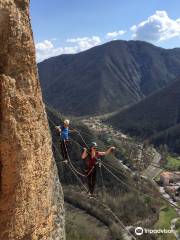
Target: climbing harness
{"x": 72, "y": 166}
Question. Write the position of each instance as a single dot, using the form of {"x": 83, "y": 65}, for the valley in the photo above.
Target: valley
{"x": 133, "y": 161}
{"x": 151, "y": 172}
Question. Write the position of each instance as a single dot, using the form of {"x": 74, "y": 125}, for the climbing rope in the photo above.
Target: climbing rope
{"x": 102, "y": 179}
{"x": 59, "y": 155}
{"x": 116, "y": 217}
{"x": 82, "y": 139}
{"x": 136, "y": 190}
{"x": 69, "y": 160}
{"x": 78, "y": 178}
{"x": 115, "y": 169}
{"x": 72, "y": 166}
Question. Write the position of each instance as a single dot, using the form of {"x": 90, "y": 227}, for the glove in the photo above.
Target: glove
{"x": 83, "y": 149}
{"x": 58, "y": 128}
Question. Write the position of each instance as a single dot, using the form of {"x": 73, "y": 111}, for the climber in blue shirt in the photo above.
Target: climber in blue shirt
{"x": 65, "y": 131}
{"x": 64, "y": 136}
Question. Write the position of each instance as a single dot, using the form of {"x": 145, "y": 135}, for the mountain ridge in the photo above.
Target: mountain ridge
{"x": 107, "y": 77}
{"x": 157, "y": 117}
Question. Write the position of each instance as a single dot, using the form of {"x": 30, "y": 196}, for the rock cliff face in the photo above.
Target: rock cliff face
{"x": 31, "y": 198}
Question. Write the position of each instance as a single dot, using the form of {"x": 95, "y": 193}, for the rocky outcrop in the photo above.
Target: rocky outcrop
{"x": 31, "y": 198}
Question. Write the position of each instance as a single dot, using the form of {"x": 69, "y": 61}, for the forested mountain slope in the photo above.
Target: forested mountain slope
{"x": 157, "y": 117}
{"x": 107, "y": 77}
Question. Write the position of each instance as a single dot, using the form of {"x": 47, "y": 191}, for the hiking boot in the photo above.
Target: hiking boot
{"x": 91, "y": 195}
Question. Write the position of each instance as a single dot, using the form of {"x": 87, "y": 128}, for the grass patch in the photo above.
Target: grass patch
{"x": 166, "y": 215}
{"x": 173, "y": 163}
{"x": 178, "y": 226}
{"x": 157, "y": 178}
{"x": 82, "y": 226}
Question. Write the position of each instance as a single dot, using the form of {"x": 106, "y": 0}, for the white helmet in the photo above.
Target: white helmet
{"x": 94, "y": 144}
{"x": 66, "y": 121}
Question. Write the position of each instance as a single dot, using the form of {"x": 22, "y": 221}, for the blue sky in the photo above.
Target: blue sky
{"x": 69, "y": 26}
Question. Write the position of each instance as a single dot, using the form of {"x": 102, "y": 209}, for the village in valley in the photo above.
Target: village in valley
{"x": 171, "y": 184}
{"x": 146, "y": 159}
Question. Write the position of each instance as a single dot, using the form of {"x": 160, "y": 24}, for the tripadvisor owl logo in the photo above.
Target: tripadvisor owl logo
{"x": 139, "y": 231}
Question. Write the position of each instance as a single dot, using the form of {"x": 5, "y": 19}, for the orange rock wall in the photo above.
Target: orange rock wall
{"x": 31, "y": 198}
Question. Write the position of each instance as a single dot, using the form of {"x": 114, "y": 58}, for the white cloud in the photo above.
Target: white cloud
{"x": 46, "y": 49}
{"x": 45, "y": 45}
{"x": 85, "y": 43}
{"x": 115, "y": 34}
{"x": 157, "y": 27}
